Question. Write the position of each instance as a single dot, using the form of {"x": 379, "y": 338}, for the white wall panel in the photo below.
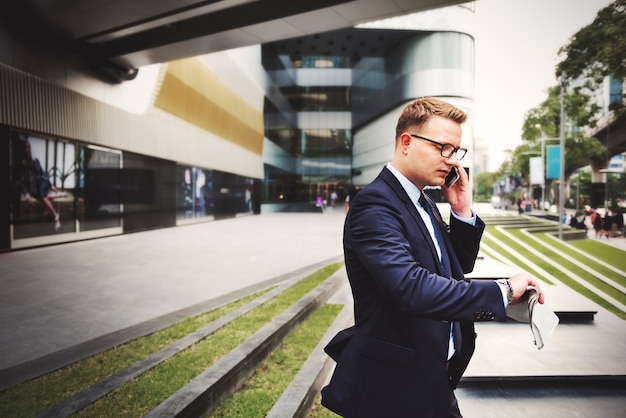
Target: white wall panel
{"x": 318, "y": 120}
{"x": 33, "y": 104}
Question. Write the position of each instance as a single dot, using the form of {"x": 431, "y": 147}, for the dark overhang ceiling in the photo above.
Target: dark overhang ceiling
{"x": 349, "y": 42}
{"x": 128, "y": 34}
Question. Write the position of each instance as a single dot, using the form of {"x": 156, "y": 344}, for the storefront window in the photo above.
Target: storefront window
{"x": 201, "y": 193}
{"x": 100, "y": 201}
{"x": 43, "y": 186}
{"x": 194, "y": 192}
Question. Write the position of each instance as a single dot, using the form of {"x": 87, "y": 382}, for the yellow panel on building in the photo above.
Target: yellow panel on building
{"x": 193, "y": 93}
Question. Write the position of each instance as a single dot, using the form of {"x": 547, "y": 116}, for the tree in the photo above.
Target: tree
{"x": 597, "y": 51}
{"x": 545, "y": 120}
{"x": 483, "y": 185}
{"x": 593, "y": 53}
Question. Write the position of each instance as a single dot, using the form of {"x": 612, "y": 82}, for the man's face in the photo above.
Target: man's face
{"x": 423, "y": 163}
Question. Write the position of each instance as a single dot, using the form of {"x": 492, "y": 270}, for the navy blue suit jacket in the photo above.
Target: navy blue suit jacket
{"x": 392, "y": 363}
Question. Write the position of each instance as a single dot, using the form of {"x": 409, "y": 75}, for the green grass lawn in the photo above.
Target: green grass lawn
{"x": 556, "y": 265}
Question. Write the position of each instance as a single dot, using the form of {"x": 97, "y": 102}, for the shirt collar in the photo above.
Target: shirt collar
{"x": 411, "y": 189}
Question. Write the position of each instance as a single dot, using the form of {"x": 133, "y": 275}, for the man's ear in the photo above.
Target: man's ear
{"x": 405, "y": 141}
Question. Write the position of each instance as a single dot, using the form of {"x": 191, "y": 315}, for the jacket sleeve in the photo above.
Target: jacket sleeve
{"x": 466, "y": 241}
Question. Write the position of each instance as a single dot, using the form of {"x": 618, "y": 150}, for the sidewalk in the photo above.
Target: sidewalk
{"x": 56, "y": 297}
{"x": 617, "y": 242}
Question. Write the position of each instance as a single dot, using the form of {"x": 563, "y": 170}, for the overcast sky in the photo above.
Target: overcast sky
{"x": 517, "y": 43}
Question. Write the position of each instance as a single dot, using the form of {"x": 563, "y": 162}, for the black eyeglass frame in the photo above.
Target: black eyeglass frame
{"x": 455, "y": 150}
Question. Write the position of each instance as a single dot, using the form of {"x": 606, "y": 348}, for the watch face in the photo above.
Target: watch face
{"x": 509, "y": 288}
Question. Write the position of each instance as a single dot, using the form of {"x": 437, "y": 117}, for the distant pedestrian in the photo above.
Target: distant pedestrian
{"x": 333, "y": 199}
{"x": 607, "y": 223}
{"x": 596, "y": 221}
{"x": 319, "y": 203}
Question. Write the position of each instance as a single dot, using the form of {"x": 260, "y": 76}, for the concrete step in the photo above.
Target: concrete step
{"x": 229, "y": 373}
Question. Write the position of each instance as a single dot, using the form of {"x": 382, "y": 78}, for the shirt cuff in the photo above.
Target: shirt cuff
{"x": 471, "y": 221}
{"x": 505, "y": 293}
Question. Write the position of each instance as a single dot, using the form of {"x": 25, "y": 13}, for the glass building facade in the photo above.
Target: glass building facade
{"x": 329, "y": 90}
{"x": 308, "y": 124}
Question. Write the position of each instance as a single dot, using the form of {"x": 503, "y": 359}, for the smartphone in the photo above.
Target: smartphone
{"x": 452, "y": 177}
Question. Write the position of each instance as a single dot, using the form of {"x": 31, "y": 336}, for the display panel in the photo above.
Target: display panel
{"x": 43, "y": 186}
{"x": 194, "y": 192}
{"x": 101, "y": 188}
{"x": 202, "y": 193}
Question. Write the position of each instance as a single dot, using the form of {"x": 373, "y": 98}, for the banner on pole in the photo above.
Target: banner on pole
{"x": 553, "y": 157}
{"x": 536, "y": 170}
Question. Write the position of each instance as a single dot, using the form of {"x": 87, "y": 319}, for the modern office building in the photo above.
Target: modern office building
{"x": 259, "y": 128}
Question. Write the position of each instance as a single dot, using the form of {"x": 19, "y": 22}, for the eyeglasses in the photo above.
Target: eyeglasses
{"x": 447, "y": 150}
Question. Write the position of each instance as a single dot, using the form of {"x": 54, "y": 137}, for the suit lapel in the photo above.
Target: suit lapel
{"x": 410, "y": 208}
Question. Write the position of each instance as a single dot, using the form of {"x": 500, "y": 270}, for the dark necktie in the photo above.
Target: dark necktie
{"x": 427, "y": 204}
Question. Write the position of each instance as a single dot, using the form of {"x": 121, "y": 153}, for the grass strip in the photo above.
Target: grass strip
{"x": 39, "y": 394}
{"x": 513, "y": 259}
{"x": 273, "y": 376}
{"x": 554, "y": 267}
{"x": 601, "y": 251}
{"x": 144, "y": 393}
{"x": 589, "y": 261}
{"x": 568, "y": 265}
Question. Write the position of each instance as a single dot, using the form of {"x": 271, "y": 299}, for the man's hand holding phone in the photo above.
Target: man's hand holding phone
{"x": 457, "y": 191}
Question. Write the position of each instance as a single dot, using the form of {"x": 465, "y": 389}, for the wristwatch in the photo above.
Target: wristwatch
{"x": 509, "y": 289}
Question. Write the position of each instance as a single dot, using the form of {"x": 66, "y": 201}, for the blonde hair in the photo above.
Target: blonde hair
{"x": 419, "y": 111}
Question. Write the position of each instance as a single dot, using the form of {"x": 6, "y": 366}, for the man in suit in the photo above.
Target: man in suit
{"x": 414, "y": 310}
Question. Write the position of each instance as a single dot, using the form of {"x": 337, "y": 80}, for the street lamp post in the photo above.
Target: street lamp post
{"x": 562, "y": 158}
{"x": 543, "y": 163}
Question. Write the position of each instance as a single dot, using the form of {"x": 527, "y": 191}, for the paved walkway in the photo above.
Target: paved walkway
{"x": 58, "y": 297}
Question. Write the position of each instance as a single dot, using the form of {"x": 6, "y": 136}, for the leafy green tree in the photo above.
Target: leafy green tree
{"x": 593, "y": 53}
{"x": 597, "y": 50}
{"x": 545, "y": 119}
{"x": 483, "y": 185}
{"x": 520, "y": 159}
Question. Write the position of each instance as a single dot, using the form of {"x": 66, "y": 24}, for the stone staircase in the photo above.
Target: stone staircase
{"x": 230, "y": 372}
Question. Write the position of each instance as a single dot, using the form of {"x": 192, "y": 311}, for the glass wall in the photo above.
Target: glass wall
{"x": 99, "y": 188}
{"x": 302, "y": 120}
{"x": 44, "y": 186}
{"x": 424, "y": 52}
{"x": 148, "y": 192}
{"x": 317, "y": 102}
{"x": 194, "y": 192}
{"x": 59, "y": 187}
{"x": 204, "y": 193}
{"x": 311, "y": 99}
{"x": 63, "y": 191}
